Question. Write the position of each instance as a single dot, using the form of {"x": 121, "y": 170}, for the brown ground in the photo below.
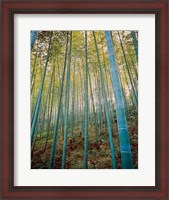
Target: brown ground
{"x": 99, "y": 156}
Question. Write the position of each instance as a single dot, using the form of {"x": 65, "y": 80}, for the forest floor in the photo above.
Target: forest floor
{"x": 99, "y": 156}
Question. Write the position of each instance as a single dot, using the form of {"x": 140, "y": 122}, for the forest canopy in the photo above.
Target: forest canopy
{"x": 84, "y": 99}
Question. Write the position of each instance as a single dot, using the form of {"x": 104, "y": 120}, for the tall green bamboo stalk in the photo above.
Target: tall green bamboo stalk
{"x": 106, "y": 106}
{"x": 40, "y": 94}
{"x": 120, "y": 111}
{"x": 67, "y": 105}
{"x": 135, "y": 44}
{"x": 56, "y": 125}
{"x": 33, "y": 38}
{"x": 85, "y": 164}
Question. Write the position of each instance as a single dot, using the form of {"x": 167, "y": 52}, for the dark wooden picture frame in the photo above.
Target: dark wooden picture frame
{"x": 8, "y": 9}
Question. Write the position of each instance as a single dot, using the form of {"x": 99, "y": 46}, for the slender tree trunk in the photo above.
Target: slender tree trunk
{"x": 124, "y": 97}
{"x": 82, "y": 103}
{"x": 94, "y": 112}
{"x": 33, "y": 38}
{"x": 73, "y": 99}
{"x": 67, "y": 106}
{"x": 107, "y": 108}
{"x": 48, "y": 95}
{"x": 120, "y": 113}
{"x": 100, "y": 106}
{"x": 40, "y": 94}
{"x": 85, "y": 165}
{"x": 33, "y": 75}
{"x": 56, "y": 125}
{"x": 134, "y": 66}
{"x": 135, "y": 44}
{"x": 49, "y": 117}
{"x": 131, "y": 80}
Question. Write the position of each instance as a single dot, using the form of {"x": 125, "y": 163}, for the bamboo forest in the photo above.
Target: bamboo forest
{"x": 84, "y": 99}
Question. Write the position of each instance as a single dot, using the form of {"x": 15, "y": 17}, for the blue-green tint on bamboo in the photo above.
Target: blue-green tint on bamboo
{"x": 109, "y": 126}
{"x": 67, "y": 105}
{"x": 34, "y": 121}
{"x": 120, "y": 112}
{"x": 33, "y": 38}
{"x": 85, "y": 164}
{"x": 56, "y": 126}
{"x": 135, "y": 43}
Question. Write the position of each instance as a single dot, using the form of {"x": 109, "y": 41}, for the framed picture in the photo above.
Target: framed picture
{"x": 84, "y": 99}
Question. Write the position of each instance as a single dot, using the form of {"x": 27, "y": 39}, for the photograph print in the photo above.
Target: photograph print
{"x": 84, "y": 99}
